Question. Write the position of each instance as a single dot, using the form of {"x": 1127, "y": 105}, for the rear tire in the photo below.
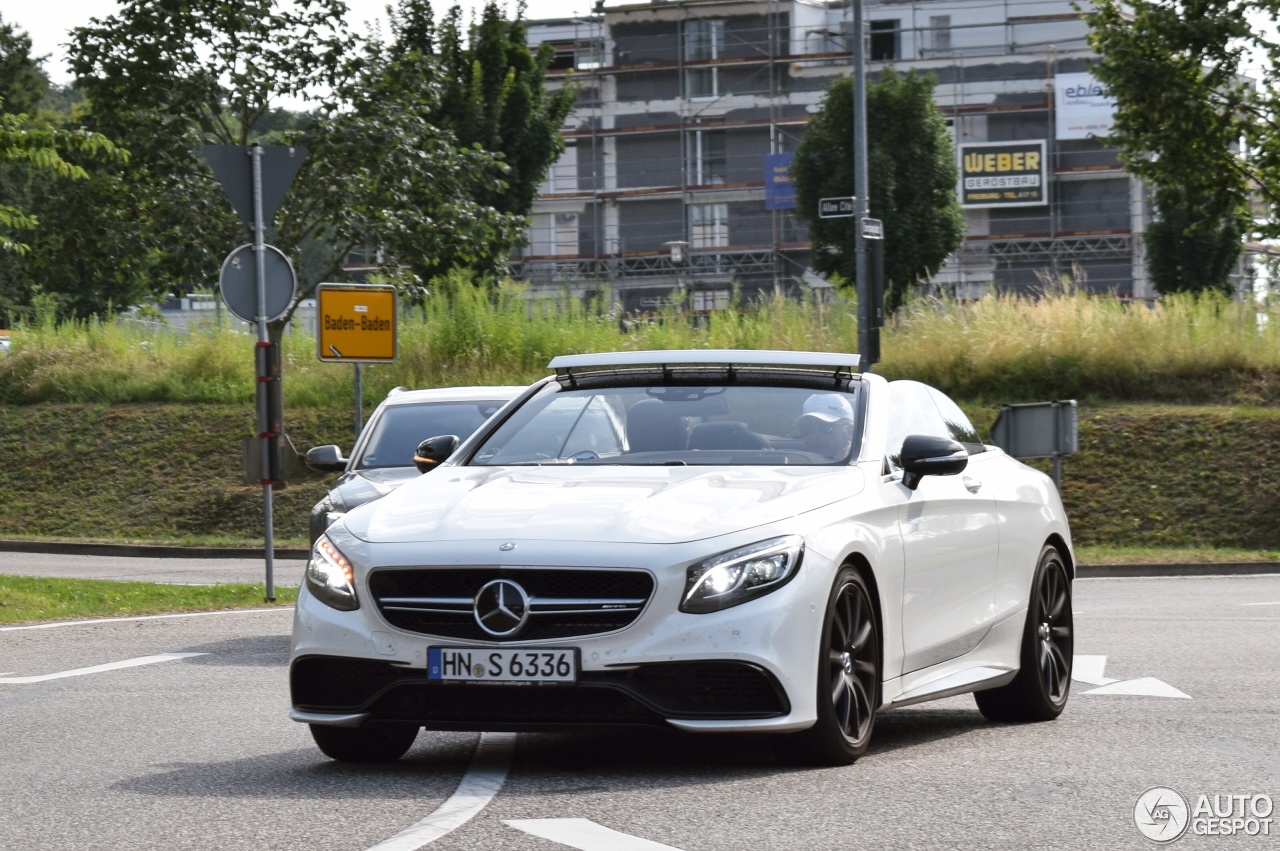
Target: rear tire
{"x": 848, "y": 676}
{"x": 364, "y": 744}
{"x": 1039, "y": 692}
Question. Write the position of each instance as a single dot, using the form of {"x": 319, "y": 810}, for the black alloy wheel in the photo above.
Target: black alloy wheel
{"x": 848, "y": 675}
{"x": 1040, "y": 690}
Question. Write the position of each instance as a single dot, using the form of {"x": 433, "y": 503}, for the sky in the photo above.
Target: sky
{"x": 48, "y": 21}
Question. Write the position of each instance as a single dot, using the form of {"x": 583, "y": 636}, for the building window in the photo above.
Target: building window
{"x": 566, "y": 237}
{"x": 703, "y": 40}
{"x": 884, "y": 41}
{"x": 940, "y": 34}
{"x": 563, "y": 174}
{"x": 706, "y": 162}
{"x": 709, "y": 226}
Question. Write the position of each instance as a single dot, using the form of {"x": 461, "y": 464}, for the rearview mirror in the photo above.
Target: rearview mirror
{"x": 325, "y": 459}
{"x": 925, "y": 455}
{"x": 433, "y": 450}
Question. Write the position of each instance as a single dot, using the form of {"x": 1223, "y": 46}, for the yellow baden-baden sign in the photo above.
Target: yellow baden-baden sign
{"x": 356, "y": 323}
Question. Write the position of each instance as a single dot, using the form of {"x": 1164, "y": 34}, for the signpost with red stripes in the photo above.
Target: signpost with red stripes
{"x": 258, "y": 284}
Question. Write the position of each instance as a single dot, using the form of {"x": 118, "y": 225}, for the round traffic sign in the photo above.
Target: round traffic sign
{"x": 239, "y": 283}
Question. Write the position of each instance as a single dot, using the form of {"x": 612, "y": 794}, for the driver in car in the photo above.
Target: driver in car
{"x": 826, "y": 425}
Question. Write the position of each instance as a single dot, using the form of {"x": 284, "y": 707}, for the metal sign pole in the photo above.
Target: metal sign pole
{"x": 359, "y": 399}
{"x": 265, "y": 362}
{"x": 861, "y": 191}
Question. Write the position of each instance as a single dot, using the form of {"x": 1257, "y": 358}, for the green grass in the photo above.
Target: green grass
{"x": 1102, "y": 554}
{"x": 27, "y": 598}
{"x": 999, "y": 349}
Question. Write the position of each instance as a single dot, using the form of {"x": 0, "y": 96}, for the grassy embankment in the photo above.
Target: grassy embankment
{"x": 112, "y": 433}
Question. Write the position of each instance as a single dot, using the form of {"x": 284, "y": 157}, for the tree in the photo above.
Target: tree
{"x": 1187, "y": 117}
{"x": 492, "y": 93}
{"x": 1187, "y": 253}
{"x": 912, "y": 174}
{"x": 22, "y": 83}
{"x": 383, "y": 168}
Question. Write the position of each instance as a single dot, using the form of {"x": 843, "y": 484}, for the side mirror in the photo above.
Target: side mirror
{"x": 925, "y": 455}
{"x": 433, "y": 450}
{"x": 325, "y": 459}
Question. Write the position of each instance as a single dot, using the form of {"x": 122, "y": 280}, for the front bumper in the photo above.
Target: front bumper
{"x": 748, "y": 667}
{"x": 337, "y": 690}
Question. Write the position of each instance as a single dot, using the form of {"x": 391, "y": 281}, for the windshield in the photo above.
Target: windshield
{"x": 395, "y": 434}
{"x": 731, "y": 424}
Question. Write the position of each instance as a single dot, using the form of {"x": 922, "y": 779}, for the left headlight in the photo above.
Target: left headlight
{"x": 329, "y": 577}
{"x": 742, "y": 574}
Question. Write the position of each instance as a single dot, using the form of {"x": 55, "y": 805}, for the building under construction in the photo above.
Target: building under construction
{"x": 674, "y": 172}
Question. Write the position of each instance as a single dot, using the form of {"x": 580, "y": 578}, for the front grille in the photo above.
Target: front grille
{"x": 563, "y": 602}
{"x": 647, "y": 694}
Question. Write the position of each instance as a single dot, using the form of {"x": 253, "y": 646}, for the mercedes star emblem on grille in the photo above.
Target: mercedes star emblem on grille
{"x": 501, "y": 607}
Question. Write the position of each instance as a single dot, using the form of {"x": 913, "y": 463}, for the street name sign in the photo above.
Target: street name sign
{"x": 835, "y": 208}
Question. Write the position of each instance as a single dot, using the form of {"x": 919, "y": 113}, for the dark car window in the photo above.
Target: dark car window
{"x": 396, "y": 433}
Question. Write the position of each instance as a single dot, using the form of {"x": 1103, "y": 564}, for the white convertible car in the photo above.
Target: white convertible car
{"x": 708, "y": 540}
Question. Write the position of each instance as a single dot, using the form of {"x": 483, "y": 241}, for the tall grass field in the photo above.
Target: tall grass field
{"x": 1000, "y": 349}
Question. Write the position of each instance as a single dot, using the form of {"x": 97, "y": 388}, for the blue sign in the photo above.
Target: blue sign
{"x": 779, "y": 191}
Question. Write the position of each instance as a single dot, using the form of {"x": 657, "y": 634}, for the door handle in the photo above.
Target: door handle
{"x": 972, "y": 485}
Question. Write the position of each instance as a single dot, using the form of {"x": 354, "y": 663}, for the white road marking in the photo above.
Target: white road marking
{"x": 1088, "y": 669}
{"x": 1276, "y": 603}
{"x": 56, "y": 624}
{"x": 97, "y": 669}
{"x": 483, "y": 780}
{"x": 585, "y": 835}
{"x": 1145, "y": 687}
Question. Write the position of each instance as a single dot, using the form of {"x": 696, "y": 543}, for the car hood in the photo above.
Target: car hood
{"x": 358, "y": 487}
{"x": 593, "y": 503}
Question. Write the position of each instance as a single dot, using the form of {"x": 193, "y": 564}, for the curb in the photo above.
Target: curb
{"x": 1112, "y": 571}
{"x": 1083, "y": 571}
{"x": 145, "y": 550}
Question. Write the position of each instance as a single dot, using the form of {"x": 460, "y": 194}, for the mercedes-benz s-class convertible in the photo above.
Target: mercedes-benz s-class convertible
{"x": 771, "y": 542}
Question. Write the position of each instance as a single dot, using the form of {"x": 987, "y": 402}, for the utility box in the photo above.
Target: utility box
{"x": 1038, "y": 430}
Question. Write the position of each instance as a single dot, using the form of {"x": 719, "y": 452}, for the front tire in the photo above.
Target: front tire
{"x": 848, "y": 680}
{"x": 1039, "y": 692}
{"x": 364, "y": 744}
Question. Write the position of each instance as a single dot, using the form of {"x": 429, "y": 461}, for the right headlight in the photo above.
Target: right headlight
{"x": 329, "y": 577}
{"x": 741, "y": 574}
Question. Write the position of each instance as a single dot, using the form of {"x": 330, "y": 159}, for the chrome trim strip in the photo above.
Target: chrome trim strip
{"x": 329, "y": 719}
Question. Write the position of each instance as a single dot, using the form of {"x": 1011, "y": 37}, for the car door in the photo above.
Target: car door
{"x": 950, "y": 542}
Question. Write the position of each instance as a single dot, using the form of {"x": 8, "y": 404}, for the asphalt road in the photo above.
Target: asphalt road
{"x": 169, "y": 570}
{"x": 197, "y": 752}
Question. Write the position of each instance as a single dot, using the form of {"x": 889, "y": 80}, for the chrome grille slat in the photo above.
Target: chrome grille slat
{"x": 562, "y": 602}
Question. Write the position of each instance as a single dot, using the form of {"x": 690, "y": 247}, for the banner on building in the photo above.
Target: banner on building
{"x": 1003, "y": 174}
{"x": 1082, "y": 107}
{"x": 779, "y": 191}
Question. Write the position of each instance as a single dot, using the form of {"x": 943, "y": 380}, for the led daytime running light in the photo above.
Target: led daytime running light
{"x": 336, "y": 558}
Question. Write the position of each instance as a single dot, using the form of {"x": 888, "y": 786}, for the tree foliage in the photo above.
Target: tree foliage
{"x": 1188, "y": 118}
{"x": 1187, "y": 253}
{"x": 912, "y": 175}
{"x": 22, "y": 83}
{"x": 384, "y": 170}
{"x": 491, "y": 93}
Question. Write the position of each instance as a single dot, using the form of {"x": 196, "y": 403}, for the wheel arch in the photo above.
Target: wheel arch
{"x": 1056, "y": 541}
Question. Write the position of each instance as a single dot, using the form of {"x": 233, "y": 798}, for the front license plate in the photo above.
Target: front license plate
{"x": 486, "y": 664}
